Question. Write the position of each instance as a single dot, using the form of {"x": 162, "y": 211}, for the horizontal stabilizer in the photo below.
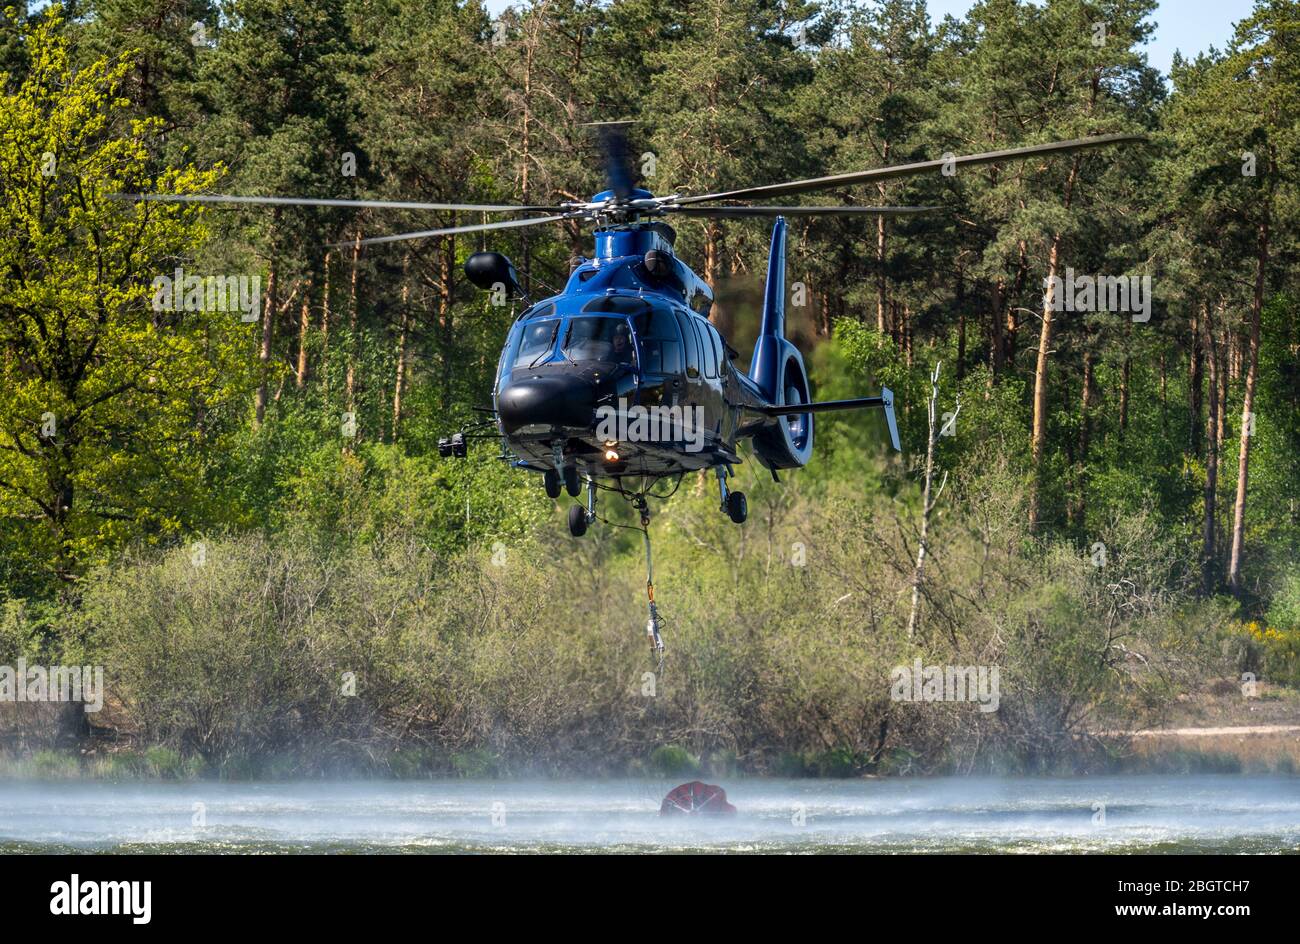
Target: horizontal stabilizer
{"x": 885, "y": 400}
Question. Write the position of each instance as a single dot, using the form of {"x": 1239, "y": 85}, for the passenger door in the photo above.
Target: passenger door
{"x": 711, "y": 388}
{"x": 726, "y": 382}
{"x": 693, "y": 393}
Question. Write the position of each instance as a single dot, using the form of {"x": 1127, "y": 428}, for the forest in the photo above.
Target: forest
{"x": 243, "y": 517}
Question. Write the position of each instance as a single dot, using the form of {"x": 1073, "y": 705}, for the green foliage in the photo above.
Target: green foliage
{"x": 1284, "y": 612}
{"x": 104, "y": 403}
{"x": 671, "y": 760}
{"x": 480, "y": 637}
{"x": 476, "y": 764}
{"x": 1272, "y": 645}
{"x": 435, "y": 100}
{"x": 1274, "y": 511}
{"x": 380, "y": 653}
{"x": 53, "y": 765}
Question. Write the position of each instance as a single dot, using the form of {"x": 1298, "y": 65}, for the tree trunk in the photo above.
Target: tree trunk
{"x": 1247, "y": 406}
{"x": 1221, "y": 348}
{"x": 1208, "y": 579}
{"x": 882, "y": 283}
{"x": 304, "y": 329}
{"x": 1195, "y": 388}
{"x": 1039, "y": 441}
{"x": 1039, "y": 437}
{"x": 713, "y": 249}
{"x": 325, "y": 323}
{"x": 537, "y": 23}
{"x": 1080, "y": 504}
{"x": 401, "y": 348}
{"x": 961, "y": 326}
{"x": 907, "y": 334}
{"x": 446, "y": 313}
{"x": 264, "y": 349}
{"x": 928, "y": 500}
{"x": 996, "y": 326}
{"x": 399, "y": 383}
{"x": 350, "y": 380}
{"x": 1012, "y": 331}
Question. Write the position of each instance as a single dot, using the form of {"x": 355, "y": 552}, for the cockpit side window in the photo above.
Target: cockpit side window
{"x": 701, "y": 303}
{"x": 536, "y": 339}
{"x": 709, "y": 357}
{"x": 717, "y": 349}
{"x": 538, "y": 311}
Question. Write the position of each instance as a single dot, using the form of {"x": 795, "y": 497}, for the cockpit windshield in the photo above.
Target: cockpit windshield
{"x": 599, "y": 339}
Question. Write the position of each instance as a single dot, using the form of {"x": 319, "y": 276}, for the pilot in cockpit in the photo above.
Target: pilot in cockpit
{"x": 621, "y": 351}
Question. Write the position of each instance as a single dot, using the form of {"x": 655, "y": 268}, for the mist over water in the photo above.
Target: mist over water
{"x": 1141, "y": 814}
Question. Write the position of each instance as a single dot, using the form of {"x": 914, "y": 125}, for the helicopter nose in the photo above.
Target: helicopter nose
{"x": 547, "y": 401}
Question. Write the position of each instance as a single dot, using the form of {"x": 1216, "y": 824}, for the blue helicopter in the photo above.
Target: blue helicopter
{"x": 630, "y": 334}
{"x": 629, "y": 341}
{"x": 621, "y": 381}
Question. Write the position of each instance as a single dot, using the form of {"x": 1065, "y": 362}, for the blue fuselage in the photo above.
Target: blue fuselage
{"x": 621, "y": 335}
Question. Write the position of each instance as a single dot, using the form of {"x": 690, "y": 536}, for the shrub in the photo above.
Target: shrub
{"x": 288, "y": 655}
{"x": 671, "y": 760}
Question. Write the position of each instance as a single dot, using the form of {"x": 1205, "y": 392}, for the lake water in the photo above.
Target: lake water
{"x": 1084, "y": 814}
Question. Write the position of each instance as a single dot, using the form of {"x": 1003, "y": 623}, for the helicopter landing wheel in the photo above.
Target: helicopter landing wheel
{"x": 571, "y": 483}
{"x": 551, "y": 482}
{"x": 737, "y": 507}
{"x": 577, "y": 521}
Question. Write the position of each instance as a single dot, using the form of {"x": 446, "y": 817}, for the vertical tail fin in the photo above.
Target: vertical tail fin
{"x": 765, "y": 369}
{"x": 774, "y": 291}
{"x": 887, "y": 396}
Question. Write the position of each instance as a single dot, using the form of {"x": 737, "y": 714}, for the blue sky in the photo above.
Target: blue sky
{"x": 1191, "y": 26}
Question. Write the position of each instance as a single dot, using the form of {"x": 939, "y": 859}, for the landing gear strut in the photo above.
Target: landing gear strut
{"x": 654, "y": 623}
{"x": 561, "y": 471}
{"x": 734, "y": 505}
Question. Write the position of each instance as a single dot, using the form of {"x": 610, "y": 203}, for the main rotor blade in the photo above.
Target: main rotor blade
{"x": 295, "y": 201}
{"x": 475, "y": 228}
{"x": 613, "y": 145}
{"x": 909, "y": 170}
{"x": 737, "y": 211}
